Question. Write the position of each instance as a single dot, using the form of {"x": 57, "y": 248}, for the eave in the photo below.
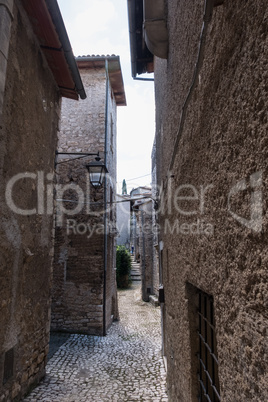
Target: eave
{"x": 114, "y": 71}
{"x": 50, "y": 31}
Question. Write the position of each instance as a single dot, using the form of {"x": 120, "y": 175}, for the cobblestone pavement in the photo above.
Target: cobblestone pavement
{"x": 126, "y": 365}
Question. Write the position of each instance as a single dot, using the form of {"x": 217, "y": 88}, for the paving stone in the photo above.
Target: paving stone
{"x": 126, "y": 365}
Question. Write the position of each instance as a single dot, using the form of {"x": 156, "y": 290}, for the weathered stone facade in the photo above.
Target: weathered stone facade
{"x": 29, "y": 115}
{"x": 211, "y": 152}
{"x": 144, "y": 238}
{"x": 224, "y": 141}
{"x": 157, "y": 280}
{"x": 84, "y": 284}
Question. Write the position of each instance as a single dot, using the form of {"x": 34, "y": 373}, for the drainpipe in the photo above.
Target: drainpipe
{"x": 135, "y": 235}
{"x": 143, "y": 279}
{"x": 6, "y": 18}
{"x": 105, "y": 199}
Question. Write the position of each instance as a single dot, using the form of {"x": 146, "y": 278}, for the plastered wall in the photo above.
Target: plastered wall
{"x": 224, "y": 142}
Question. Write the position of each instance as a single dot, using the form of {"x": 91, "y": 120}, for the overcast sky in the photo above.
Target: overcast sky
{"x": 100, "y": 27}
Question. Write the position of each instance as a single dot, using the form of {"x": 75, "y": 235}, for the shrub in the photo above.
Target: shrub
{"x": 123, "y": 267}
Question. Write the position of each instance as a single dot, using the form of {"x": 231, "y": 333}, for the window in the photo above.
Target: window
{"x": 208, "y": 379}
{"x": 204, "y": 360}
{"x": 8, "y": 365}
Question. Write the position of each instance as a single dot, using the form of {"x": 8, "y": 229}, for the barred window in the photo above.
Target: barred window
{"x": 8, "y": 365}
{"x": 209, "y": 389}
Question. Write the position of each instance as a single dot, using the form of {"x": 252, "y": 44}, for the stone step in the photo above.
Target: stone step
{"x": 135, "y": 271}
{"x": 135, "y": 275}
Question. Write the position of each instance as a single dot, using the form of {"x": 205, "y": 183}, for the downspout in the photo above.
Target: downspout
{"x": 105, "y": 199}
{"x": 143, "y": 271}
{"x": 135, "y": 236}
{"x": 6, "y": 18}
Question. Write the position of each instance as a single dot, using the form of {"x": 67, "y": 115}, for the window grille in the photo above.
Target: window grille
{"x": 8, "y": 365}
{"x": 209, "y": 389}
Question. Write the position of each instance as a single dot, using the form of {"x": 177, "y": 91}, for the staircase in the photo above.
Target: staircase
{"x": 135, "y": 271}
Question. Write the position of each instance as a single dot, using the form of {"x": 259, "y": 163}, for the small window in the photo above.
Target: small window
{"x": 204, "y": 360}
{"x": 209, "y": 389}
{"x": 8, "y": 365}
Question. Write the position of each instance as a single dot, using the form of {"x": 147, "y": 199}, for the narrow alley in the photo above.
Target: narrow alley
{"x": 126, "y": 365}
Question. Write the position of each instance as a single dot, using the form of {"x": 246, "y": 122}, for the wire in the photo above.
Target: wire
{"x": 206, "y": 20}
{"x": 102, "y": 203}
{"x": 135, "y": 178}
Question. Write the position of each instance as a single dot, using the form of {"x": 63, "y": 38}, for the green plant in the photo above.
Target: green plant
{"x": 123, "y": 267}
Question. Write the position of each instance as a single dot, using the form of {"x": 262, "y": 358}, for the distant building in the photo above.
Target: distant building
{"x": 143, "y": 238}
{"x": 84, "y": 298}
{"x": 123, "y": 215}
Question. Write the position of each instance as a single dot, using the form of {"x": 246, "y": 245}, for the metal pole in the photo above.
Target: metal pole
{"x": 105, "y": 201}
{"x": 143, "y": 281}
{"x": 78, "y": 153}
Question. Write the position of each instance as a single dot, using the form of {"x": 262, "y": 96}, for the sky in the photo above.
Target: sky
{"x": 100, "y": 27}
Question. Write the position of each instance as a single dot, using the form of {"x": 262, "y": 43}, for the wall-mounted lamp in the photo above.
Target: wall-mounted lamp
{"x": 97, "y": 170}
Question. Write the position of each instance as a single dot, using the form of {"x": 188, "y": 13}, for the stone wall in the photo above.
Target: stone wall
{"x": 155, "y": 231}
{"x": 206, "y": 244}
{"x": 80, "y": 278}
{"x": 27, "y": 144}
{"x": 83, "y": 122}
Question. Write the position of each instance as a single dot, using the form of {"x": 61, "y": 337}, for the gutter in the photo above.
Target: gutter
{"x": 66, "y": 46}
{"x": 105, "y": 200}
{"x": 155, "y": 27}
{"x": 98, "y": 58}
